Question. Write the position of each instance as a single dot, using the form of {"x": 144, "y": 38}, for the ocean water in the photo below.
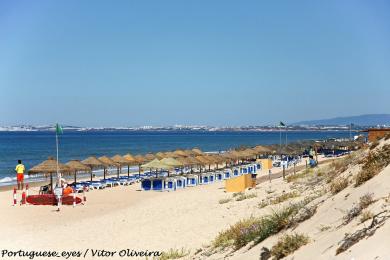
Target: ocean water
{"x": 34, "y": 147}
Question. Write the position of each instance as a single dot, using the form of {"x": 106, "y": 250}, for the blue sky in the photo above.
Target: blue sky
{"x": 129, "y": 63}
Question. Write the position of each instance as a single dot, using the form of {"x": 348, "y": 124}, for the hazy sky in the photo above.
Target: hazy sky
{"x": 129, "y": 63}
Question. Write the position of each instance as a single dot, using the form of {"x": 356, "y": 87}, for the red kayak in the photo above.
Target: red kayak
{"x": 50, "y": 199}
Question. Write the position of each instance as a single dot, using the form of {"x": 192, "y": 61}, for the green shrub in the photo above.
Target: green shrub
{"x": 174, "y": 254}
{"x": 237, "y": 194}
{"x": 257, "y": 229}
{"x": 223, "y": 201}
{"x": 288, "y": 244}
{"x": 284, "y": 197}
{"x": 303, "y": 174}
{"x": 246, "y": 196}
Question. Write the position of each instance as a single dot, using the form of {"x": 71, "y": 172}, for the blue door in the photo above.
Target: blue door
{"x": 146, "y": 184}
{"x": 157, "y": 185}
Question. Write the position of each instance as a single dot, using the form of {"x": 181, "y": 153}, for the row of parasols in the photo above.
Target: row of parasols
{"x": 160, "y": 160}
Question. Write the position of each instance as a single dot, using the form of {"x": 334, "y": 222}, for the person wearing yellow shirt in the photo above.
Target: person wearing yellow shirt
{"x": 20, "y": 174}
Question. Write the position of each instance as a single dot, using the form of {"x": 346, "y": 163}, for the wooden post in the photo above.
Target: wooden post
{"x": 75, "y": 177}
{"x": 51, "y": 181}
{"x": 294, "y": 167}
{"x": 269, "y": 175}
{"x": 104, "y": 174}
{"x": 128, "y": 170}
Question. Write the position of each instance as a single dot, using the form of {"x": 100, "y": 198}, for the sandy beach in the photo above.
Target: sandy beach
{"x": 122, "y": 217}
{"x": 125, "y": 217}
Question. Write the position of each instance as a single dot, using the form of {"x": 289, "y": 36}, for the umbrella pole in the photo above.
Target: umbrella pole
{"x": 117, "y": 171}
{"x": 104, "y": 173}
{"x": 139, "y": 170}
{"x": 51, "y": 181}
{"x": 75, "y": 177}
{"x": 128, "y": 170}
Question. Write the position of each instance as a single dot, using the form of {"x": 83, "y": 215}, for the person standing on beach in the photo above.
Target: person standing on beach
{"x": 20, "y": 174}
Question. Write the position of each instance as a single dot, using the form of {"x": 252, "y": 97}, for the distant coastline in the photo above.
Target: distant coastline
{"x": 25, "y": 128}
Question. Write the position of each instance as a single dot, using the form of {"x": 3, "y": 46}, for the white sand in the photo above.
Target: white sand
{"x": 125, "y": 217}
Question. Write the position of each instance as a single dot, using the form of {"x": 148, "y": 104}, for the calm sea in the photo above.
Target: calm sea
{"x": 34, "y": 147}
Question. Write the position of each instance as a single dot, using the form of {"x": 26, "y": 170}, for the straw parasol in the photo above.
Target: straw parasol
{"x": 185, "y": 161}
{"x": 172, "y": 162}
{"x": 262, "y": 149}
{"x": 169, "y": 154}
{"x": 180, "y": 153}
{"x": 189, "y": 152}
{"x": 156, "y": 164}
{"x": 77, "y": 166}
{"x": 197, "y": 151}
{"x": 130, "y": 161}
{"x": 159, "y": 155}
{"x": 121, "y": 162}
{"x": 140, "y": 160}
{"x": 204, "y": 161}
{"x": 149, "y": 156}
{"x": 108, "y": 162}
{"x": 93, "y": 163}
{"x": 49, "y": 167}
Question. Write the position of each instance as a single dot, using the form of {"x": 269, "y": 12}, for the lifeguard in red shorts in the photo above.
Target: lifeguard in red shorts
{"x": 20, "y": 174}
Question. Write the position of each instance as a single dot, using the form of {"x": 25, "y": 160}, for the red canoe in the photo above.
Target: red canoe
{"x": 50, "y": 199}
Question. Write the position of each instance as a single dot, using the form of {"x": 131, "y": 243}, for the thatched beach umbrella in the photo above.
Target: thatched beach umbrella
{"x": 78, "y": 166}
{"x": 169, "y": 154}
{"x": 157, "y": 165}
{"x": 219, "y": 159}
{"x": 49, "y": 167}
{"x": 130, "y": 161}
{"x": 203, "y": 161}
{"x": 180, "y": 153}
{"x": 262, "y": 149}
{"x": 93, "y": 163}
{"x": 184, "y": 160}
{"x": 189, "y": 153}
{"x": 197, "y": 151}
{"x": 160, "y": 155}
{"x": 149, "y": 157}
{"x": 121, "y": 162}
{"x": 108, "y": 162}
{"x": 140, "y": 160}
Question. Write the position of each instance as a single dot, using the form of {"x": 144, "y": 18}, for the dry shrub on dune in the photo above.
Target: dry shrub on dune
{"x": 338, "y": 185}
{"x": 287, "y": 244}
{"x": 373, "y": 164}
{"x": 257, "y": 229}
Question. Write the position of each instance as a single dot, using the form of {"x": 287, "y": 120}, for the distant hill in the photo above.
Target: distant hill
{"x": 362, "y": 120}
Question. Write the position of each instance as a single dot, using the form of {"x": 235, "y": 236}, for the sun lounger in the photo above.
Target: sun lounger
{"x": 192, "y": 180}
